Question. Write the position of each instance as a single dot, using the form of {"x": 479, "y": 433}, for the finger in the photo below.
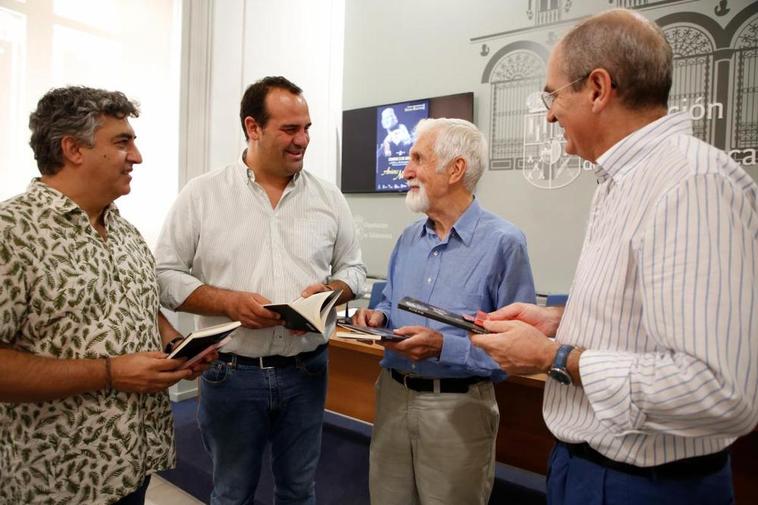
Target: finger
{"x": 262, "y": 322}
{"x": 259, "y": 298}
{"x": 297, "y": 333}
{"x": 261, "y": 313}
{"x": 312, "y": 290}
{"x": 170, "y": 378}
{"x": 359, "y": 318}
{"x": 498, "y": 326}
{"x": 377, "y": 319}
{"x": 508, "y": 312}
{"x": 164, "y": 364}
{"x": 389, "y": 344}
{"x": 410, "y": 330}
{"x": 483, "y": 340}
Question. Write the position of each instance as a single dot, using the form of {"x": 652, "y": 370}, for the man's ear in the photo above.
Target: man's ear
{"x": 457, "y": 169}
{"x": 72, "y": 150}
{"x": 600, "y": 85}
{"x": 252, "y": 128}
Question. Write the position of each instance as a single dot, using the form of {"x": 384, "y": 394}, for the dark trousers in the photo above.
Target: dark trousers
{"x": 573, "y": 480}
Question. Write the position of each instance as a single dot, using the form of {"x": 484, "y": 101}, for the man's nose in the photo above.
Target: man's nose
{"x": 134, "y": 156}
{"x": 408, "y": 172}
{"x": 302, "y": 138}
{"x": 550, "y": 116}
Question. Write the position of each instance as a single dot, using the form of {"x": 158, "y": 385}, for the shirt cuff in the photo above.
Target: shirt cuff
{"x": 353, "y": 281}
{"x": 178, "y": 291}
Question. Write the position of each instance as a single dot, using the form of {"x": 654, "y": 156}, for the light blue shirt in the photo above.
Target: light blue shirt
{"x": 481, "y": 265}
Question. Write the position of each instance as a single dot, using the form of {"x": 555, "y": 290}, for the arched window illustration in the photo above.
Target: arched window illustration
{"x": 692, "y": 87}
{"x": 514, "y": 77}
{"x": 744, "y": 113}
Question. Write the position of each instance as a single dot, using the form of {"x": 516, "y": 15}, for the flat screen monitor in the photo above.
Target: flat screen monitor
{"x": 376, "y": 140}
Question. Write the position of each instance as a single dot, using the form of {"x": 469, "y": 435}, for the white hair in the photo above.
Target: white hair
{"x": 457, "y": 137}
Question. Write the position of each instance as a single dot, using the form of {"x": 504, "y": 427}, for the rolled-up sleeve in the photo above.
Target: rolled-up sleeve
{"x": 347, "y": 263}
{"x": 697, "y": 263}
{"x": 175, "y": 251}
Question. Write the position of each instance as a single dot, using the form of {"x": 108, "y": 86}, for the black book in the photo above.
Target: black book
{"x": 367, "y": 333}
{"x": 202, "y": 341}
{"x": 314, "y": 313}
{"x": 444, "y": 316}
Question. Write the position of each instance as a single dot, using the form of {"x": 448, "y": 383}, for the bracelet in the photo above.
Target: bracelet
{"x": 108, "y": 374}
{"x": 171, "y": 345}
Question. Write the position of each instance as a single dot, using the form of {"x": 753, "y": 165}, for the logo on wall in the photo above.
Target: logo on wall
{"x": 715, "y": 79}
{"x": 546, "y": 165}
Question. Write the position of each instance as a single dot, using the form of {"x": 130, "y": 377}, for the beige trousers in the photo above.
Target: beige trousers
{"x": 432, "y": 448}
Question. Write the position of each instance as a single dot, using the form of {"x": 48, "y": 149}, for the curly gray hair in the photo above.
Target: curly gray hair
{"x": 73, "y": 111}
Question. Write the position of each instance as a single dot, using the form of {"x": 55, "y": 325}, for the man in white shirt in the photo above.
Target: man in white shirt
{"x": 653, "y": 369}
{"x": 258, "y": 231}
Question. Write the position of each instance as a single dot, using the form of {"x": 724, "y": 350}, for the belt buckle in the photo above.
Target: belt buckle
{"x": 260, "y": 364}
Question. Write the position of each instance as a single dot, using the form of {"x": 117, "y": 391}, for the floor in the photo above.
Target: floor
{"x": 162, "y": 492}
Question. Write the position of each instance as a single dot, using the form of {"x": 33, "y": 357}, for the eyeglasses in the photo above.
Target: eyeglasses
{"x": 548, "y": 97}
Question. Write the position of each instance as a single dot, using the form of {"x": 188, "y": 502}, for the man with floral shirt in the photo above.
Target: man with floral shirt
{"x": 84, "y": 416}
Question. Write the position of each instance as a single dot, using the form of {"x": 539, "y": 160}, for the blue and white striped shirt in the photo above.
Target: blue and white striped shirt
{"x": 664, "y": 300}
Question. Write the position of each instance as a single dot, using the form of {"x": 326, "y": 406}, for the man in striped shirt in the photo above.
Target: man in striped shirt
{"x": 654, "y": 366}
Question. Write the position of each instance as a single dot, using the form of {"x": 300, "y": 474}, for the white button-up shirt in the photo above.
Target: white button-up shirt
{"x": 222, "y": 231}
{"x": 664, "y": 299}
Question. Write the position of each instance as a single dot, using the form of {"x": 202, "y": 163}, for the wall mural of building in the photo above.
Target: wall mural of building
{"x": 715, "y": 80}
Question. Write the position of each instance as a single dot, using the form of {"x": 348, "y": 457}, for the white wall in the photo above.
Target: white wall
{"x": 398, "y": 50}
{"x": 298, "y": 39}
{"x": 111, "y": 45}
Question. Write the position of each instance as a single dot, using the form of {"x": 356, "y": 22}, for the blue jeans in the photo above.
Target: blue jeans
{"x": 576, "y": 481}
{"x": 243, "y": 407}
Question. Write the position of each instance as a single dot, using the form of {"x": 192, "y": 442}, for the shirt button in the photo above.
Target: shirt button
{"x": 429, "y": 280}
{"x": 435, "y": 253}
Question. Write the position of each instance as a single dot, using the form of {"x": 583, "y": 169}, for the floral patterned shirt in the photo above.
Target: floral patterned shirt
{"x": 67, "y": 293}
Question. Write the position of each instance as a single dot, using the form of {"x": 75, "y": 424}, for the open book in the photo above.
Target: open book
{"x": 314, "y": 313}
{"x": 367, "y": 333}
{"x": 444, "y": 316}
{"x": 203, "y": 341}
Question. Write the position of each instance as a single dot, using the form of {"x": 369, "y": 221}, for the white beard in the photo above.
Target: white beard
{"x": 417, "y": 201}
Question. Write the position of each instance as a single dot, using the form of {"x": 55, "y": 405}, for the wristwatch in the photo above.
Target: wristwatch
{"x": 558, "y": 368}
{"x": 172, "y": 345}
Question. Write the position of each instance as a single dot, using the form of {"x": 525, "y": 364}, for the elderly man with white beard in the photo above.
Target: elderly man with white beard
{"x": 436, "y": 414}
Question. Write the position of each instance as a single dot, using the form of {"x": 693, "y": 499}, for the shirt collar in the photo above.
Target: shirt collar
{"x": 249, "y": 173}
{"x": 616, "y": 160}
{"x": 56, "y": 201}
{"x": 464, "y": 227}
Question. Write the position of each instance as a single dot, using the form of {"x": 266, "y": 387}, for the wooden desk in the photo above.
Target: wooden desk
{"x": 523, "y": 440}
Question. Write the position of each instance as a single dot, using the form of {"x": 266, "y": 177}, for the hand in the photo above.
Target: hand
{"x": 313, "y": 289}
{"x": 367, "y": 317}
{"x": 202, "y": 365}
{"x": 146, "y": 372}
{"x": 519, "y": 348}
{"x": 248, "y": 309}
{"x": 423, "y": 343}
{"x": 545, "y": 319}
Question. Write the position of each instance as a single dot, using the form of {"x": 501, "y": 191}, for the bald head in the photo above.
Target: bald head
{"x": 631, "y": 48}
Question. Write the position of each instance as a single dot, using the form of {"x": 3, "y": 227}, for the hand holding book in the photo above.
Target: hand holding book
{"x": 201, "y": 343}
